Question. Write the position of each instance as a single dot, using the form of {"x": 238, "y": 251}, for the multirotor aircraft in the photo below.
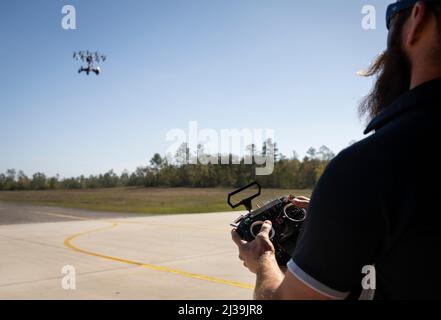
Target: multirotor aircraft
{"x": 89, "y": 58}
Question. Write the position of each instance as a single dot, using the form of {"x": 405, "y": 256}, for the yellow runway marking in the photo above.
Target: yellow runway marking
{"x": 68, "y": 243}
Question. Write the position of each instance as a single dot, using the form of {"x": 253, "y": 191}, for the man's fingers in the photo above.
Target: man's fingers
{"x": 266, "y": 229}
{"x": 237, "y": 239}
{"x": 301, "y": 203}
{"x": 297, "y": 200}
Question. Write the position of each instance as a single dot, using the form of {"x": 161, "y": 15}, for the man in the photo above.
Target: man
{"x": 378, "y": 202}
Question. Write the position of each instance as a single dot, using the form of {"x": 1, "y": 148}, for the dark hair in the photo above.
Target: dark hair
{"x": 390, "y": 85}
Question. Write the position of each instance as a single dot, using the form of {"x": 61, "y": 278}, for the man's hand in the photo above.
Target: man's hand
{"x": 251, "y": 252}
{"x": 301, "y": 202}
{"x": 271, "y": 281}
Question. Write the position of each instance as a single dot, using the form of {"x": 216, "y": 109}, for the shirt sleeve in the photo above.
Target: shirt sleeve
{"x": 344, "y": 228}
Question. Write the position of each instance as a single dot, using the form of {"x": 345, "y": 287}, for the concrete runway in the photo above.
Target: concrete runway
{"x": 118, "y": 256}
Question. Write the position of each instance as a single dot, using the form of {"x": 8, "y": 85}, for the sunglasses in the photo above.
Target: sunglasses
{"x": 397, "y": 7}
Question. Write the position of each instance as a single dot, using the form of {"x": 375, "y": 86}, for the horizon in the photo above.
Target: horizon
{"x": 278, "y": 157}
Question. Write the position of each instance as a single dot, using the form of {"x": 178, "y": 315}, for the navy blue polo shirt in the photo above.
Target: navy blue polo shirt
{"x": 378, "y": 204}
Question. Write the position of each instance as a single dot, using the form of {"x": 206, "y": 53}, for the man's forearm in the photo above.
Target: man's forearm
{"x": 269, "y": 277}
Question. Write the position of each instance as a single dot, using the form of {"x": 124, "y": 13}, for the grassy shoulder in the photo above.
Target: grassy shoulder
{"x": 139, "y": 200}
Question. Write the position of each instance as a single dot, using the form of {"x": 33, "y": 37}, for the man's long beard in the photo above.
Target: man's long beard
{"x": 392, "y": 69}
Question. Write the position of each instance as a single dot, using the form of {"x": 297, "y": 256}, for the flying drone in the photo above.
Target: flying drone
{"x": 89, "y": 58}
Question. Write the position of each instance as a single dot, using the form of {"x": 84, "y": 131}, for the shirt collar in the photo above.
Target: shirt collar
{"x": 429, "y": 91}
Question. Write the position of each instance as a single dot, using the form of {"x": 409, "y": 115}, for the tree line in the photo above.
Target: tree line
{"x": 176, "y": 171}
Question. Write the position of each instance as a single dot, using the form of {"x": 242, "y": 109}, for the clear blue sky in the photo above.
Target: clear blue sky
{"x": 279, "y": 64}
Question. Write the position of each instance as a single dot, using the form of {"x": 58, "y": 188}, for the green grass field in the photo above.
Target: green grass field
{"x": 140, "y": 200}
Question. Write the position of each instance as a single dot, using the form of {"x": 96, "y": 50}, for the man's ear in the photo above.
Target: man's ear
{"x": 415, "y": 24}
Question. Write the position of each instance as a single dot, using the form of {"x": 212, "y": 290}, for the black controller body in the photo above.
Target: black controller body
{"x": 287, "y": 222}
